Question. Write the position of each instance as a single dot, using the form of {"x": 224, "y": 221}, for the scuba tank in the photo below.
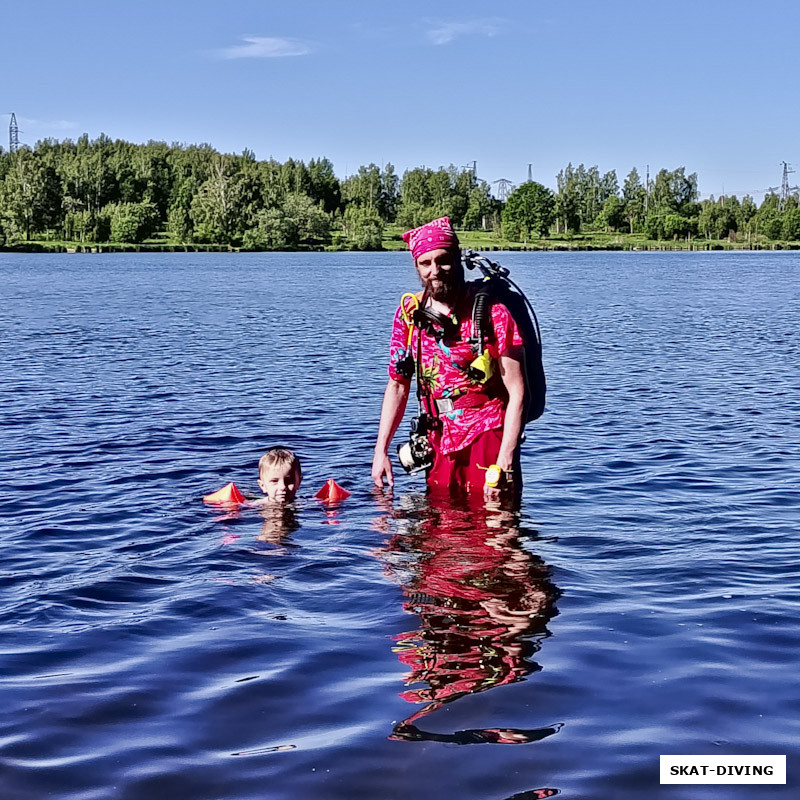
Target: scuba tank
{"x": 497, "y": 287}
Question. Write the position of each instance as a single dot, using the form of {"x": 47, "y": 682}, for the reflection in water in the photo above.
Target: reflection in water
{"x": 279, "y": 522}
{"x": 483, "y": 603}
{"x": 534, "y": 794}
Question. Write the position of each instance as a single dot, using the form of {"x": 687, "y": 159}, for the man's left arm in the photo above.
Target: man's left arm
{"x": 514, "y": 381}
{"x": 509, "y": 353}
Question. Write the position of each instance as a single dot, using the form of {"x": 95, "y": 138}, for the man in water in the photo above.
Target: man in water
{"x": 477, "y": 424}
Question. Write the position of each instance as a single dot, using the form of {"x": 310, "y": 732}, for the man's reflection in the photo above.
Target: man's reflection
{"x": 483, "y": 603}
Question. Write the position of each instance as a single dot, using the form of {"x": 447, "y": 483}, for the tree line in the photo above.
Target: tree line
{"x": 105, "y": 190}
{"x": 666, "y": 208}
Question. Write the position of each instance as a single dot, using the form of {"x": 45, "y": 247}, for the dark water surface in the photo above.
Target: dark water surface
{"x": 644, "y": 601}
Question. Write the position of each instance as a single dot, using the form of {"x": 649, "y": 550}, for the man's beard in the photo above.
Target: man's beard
{"x": 447, "y": 287}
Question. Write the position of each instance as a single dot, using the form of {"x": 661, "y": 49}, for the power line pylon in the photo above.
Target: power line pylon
{"x": 13, "y": 134}
{"x": 784, "y": 186}
{"x": 504, "y": 189}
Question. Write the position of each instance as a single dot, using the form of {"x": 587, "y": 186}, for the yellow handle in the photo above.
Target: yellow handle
{"x": 406, "y": 315}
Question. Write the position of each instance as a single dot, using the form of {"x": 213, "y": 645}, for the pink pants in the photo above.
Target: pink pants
{"x": 466, "y": 468}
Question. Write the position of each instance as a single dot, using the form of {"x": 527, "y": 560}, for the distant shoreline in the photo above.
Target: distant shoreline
{"x": 392, "y": 240}
{"x": 542, "y": 246}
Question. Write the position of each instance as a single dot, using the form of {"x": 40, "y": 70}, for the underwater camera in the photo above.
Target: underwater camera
{"x": 417, "y": 453}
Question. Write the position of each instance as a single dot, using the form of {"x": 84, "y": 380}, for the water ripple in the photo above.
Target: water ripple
{"x": 644, "y": 601}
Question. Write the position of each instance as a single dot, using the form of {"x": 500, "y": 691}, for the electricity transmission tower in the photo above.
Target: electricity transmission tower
{"x": 473, "y": 168}
{"x": 785, "y": 189}
{"x": 13, "y": 134}
{"x": 504, "y": 188}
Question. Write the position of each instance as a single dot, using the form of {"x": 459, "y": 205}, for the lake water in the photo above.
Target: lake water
{"x": 644, "y": 601}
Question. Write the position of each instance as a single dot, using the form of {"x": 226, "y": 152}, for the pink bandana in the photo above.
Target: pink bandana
{"x": 434, "y": 235}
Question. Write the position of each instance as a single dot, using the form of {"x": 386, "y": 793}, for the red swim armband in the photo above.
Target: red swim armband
{"x": 331, "y": 492}
{"x": 227, "y": 495}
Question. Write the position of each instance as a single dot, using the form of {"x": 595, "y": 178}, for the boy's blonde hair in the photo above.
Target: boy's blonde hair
{"x": 279, "y": 457}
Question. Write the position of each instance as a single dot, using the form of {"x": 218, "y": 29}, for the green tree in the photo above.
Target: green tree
{"x": 747, "y": 213}
{"x": 589, "y": 186}
{"x": 416, "y": 200}
{"x": 654, "y": 225}
{"x": 718, "y": 218}
{"x": 80, "y": 226}
{"x": 676, "y": 226}
{"x": 633, "y": 197}
{"x": 132, "y": 222}
{"x": 612, "y": 214}
{"x": 769, "y": 219}
{"x": 363, "y": 228}
{"x": 154, "y": 173}
{"x": 772, "y": 225}
{"x": 481, "y": 207}
{"x": 179, "y": 217}
{"x": 31, "y": 196}
{"x": 364, "y": 188}
{"x": 389, "y": 195}
{"x": 567, "y": 201}
{"x": 272, "y": 187}
{"x": 324, "y": 186}
{"x": 529, "y": 210}
{"x": 374, "y": 189}
{"x": 609, "y": 186}
{"x": 216, "y": 208}
{"x": 445, "y": 202}
{"x": 299, "y": 222}
{"x": 673, "y": 191}
{"x": 791, "y": 225}
{"x": 271, "y": 232}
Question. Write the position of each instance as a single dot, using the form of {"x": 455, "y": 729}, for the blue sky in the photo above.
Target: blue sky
{"x": 710, "y": 84}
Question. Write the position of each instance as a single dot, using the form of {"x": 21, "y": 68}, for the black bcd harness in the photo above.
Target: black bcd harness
{"x": 494, "y": 287}
{"x": 497, "y": 287}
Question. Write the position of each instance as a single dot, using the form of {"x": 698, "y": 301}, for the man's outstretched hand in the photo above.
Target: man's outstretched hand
{"x": 382, "y": 466}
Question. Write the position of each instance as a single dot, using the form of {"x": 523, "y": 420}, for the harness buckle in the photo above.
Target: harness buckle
{"x": 444, "y": 405}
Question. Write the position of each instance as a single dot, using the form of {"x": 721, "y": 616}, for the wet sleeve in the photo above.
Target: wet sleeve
{"x": 398, "y": 346}
{"x": 507, "y": 336}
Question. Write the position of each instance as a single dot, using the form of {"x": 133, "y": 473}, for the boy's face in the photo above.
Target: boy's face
{"x": 279, "y": 482}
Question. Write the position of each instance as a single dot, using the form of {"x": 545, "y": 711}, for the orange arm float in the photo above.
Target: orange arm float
{"x": 227, "y": 495}
{"x": 331, "y": 492}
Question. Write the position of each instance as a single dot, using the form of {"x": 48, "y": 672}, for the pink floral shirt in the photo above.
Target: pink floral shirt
{"x": 444, "y": 372}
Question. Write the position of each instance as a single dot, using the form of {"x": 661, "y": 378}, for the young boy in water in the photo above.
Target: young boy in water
{"x": 279, "y": 476}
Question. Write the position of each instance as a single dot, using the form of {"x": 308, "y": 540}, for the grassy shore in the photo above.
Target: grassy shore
{"x": 393, "y": 240}
{"x": 488, "y": 240}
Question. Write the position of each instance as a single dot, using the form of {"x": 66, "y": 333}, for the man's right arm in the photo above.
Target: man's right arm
{"x": 394, "y": 406}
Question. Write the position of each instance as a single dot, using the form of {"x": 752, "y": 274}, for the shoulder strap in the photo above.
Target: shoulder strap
{"x": 481, "y": 306}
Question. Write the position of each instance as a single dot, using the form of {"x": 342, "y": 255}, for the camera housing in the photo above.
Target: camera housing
{"x": 417, "y": 453}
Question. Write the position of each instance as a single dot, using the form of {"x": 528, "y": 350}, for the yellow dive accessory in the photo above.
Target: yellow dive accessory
{"x": 481, "y": 368}
{"x": 493, "y": 475}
